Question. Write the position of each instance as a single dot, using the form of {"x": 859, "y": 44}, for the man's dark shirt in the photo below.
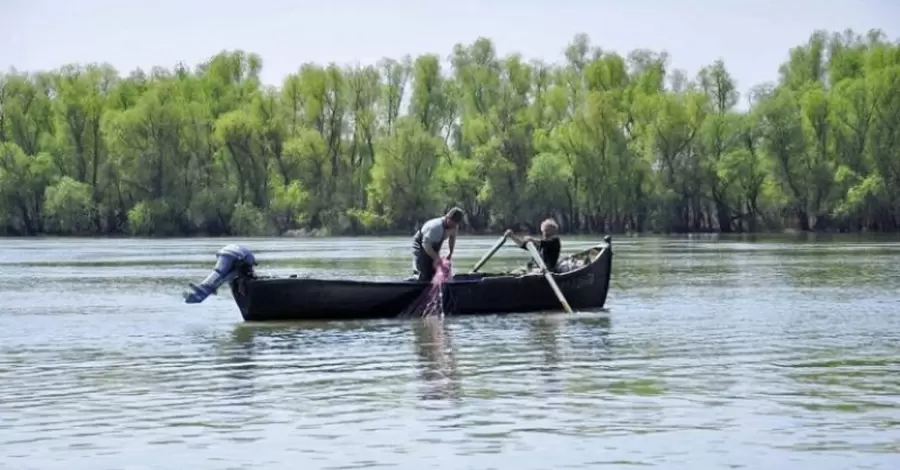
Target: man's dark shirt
{"x": 549, "y": 250}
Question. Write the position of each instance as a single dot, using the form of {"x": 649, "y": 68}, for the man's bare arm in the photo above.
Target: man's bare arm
{"x": 429, "y": 250}
{"x": 451, "y": 243}
{"x": 517, "y": 240}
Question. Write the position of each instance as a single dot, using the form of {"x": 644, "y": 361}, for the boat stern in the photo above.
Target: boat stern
{"x": 232, "y": 261}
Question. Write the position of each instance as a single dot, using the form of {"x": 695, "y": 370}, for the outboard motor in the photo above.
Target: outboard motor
{"x": 231, "y": 261}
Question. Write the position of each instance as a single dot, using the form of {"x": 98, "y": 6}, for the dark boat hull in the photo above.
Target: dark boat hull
{"x": 287, "y": 299}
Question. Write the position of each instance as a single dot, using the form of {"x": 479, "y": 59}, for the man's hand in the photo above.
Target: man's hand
{"x": 507, "y": 233}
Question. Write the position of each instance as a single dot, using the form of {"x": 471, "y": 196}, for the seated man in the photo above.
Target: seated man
{"x": 428, "y": 240}
{"x": 549, "y": 245}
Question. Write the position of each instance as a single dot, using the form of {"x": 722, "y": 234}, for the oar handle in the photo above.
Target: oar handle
{"x": 548, "y": 275}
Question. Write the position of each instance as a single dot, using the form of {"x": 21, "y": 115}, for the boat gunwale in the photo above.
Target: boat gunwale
{"x": 488, "y": 277}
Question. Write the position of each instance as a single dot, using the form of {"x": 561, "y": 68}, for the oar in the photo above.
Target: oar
{"x": 487, "y": 256}
{"x": 547, "y": 275}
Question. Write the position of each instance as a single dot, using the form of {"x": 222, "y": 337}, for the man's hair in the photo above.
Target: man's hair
{"x": 550, "y": 223}
{"x": 455, "y": 214}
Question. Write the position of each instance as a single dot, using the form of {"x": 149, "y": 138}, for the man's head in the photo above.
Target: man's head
{"x": 453, "y": 218}
{"x": 549, "y": 228}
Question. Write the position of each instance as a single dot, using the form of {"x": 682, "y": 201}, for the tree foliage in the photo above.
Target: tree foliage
{"x": 602, "y": 141}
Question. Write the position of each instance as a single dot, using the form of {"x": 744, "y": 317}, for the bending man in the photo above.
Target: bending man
{"x": 428, "y": 240}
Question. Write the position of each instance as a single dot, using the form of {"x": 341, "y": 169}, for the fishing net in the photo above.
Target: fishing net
{"x": 430, "y": 301}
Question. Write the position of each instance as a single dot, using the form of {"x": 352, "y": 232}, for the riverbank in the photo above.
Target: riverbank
{"x": 655, "y": 158}
{"x": 794, "y": 235}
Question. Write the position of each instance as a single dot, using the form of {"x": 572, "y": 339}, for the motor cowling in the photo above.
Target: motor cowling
{"x": 231, "y": 261}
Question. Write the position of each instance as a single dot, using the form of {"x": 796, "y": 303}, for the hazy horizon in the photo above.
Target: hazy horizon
{"x": 753, "y": 38}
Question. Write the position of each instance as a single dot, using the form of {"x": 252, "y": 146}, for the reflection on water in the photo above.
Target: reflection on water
{"x": 434, "y": 347}
{"x": 713, "y": 352}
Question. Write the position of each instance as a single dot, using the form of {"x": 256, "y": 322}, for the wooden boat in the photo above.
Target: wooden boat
{"x": 584, "y": 281}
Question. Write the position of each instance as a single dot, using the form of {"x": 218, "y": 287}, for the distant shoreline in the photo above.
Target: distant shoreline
{"x": 396, "y": 234}
{"x": 601, "y": 141}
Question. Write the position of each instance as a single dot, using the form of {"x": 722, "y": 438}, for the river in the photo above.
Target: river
{"x": 743, "y": 353}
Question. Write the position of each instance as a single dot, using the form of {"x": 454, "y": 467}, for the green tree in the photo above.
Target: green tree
{"x": 604, "y": 142}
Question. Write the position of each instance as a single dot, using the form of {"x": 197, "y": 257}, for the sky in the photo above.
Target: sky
{"x": 752, "y": 37}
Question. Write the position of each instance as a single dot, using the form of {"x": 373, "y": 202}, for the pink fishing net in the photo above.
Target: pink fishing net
{"x": 430, "y": 302}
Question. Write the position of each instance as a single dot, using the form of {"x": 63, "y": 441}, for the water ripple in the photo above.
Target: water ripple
{"x": 710, "y": 355}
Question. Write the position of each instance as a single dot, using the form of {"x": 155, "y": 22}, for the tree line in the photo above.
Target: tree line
{"x": 602, "y": 142}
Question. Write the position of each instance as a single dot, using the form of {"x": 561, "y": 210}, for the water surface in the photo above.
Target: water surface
{"x": 743, "y": 353}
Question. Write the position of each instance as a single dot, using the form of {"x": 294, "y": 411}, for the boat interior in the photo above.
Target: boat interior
{"x": 567, "y": 264}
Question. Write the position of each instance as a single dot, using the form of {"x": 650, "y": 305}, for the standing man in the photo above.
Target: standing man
{"x": 430, "y": 237}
